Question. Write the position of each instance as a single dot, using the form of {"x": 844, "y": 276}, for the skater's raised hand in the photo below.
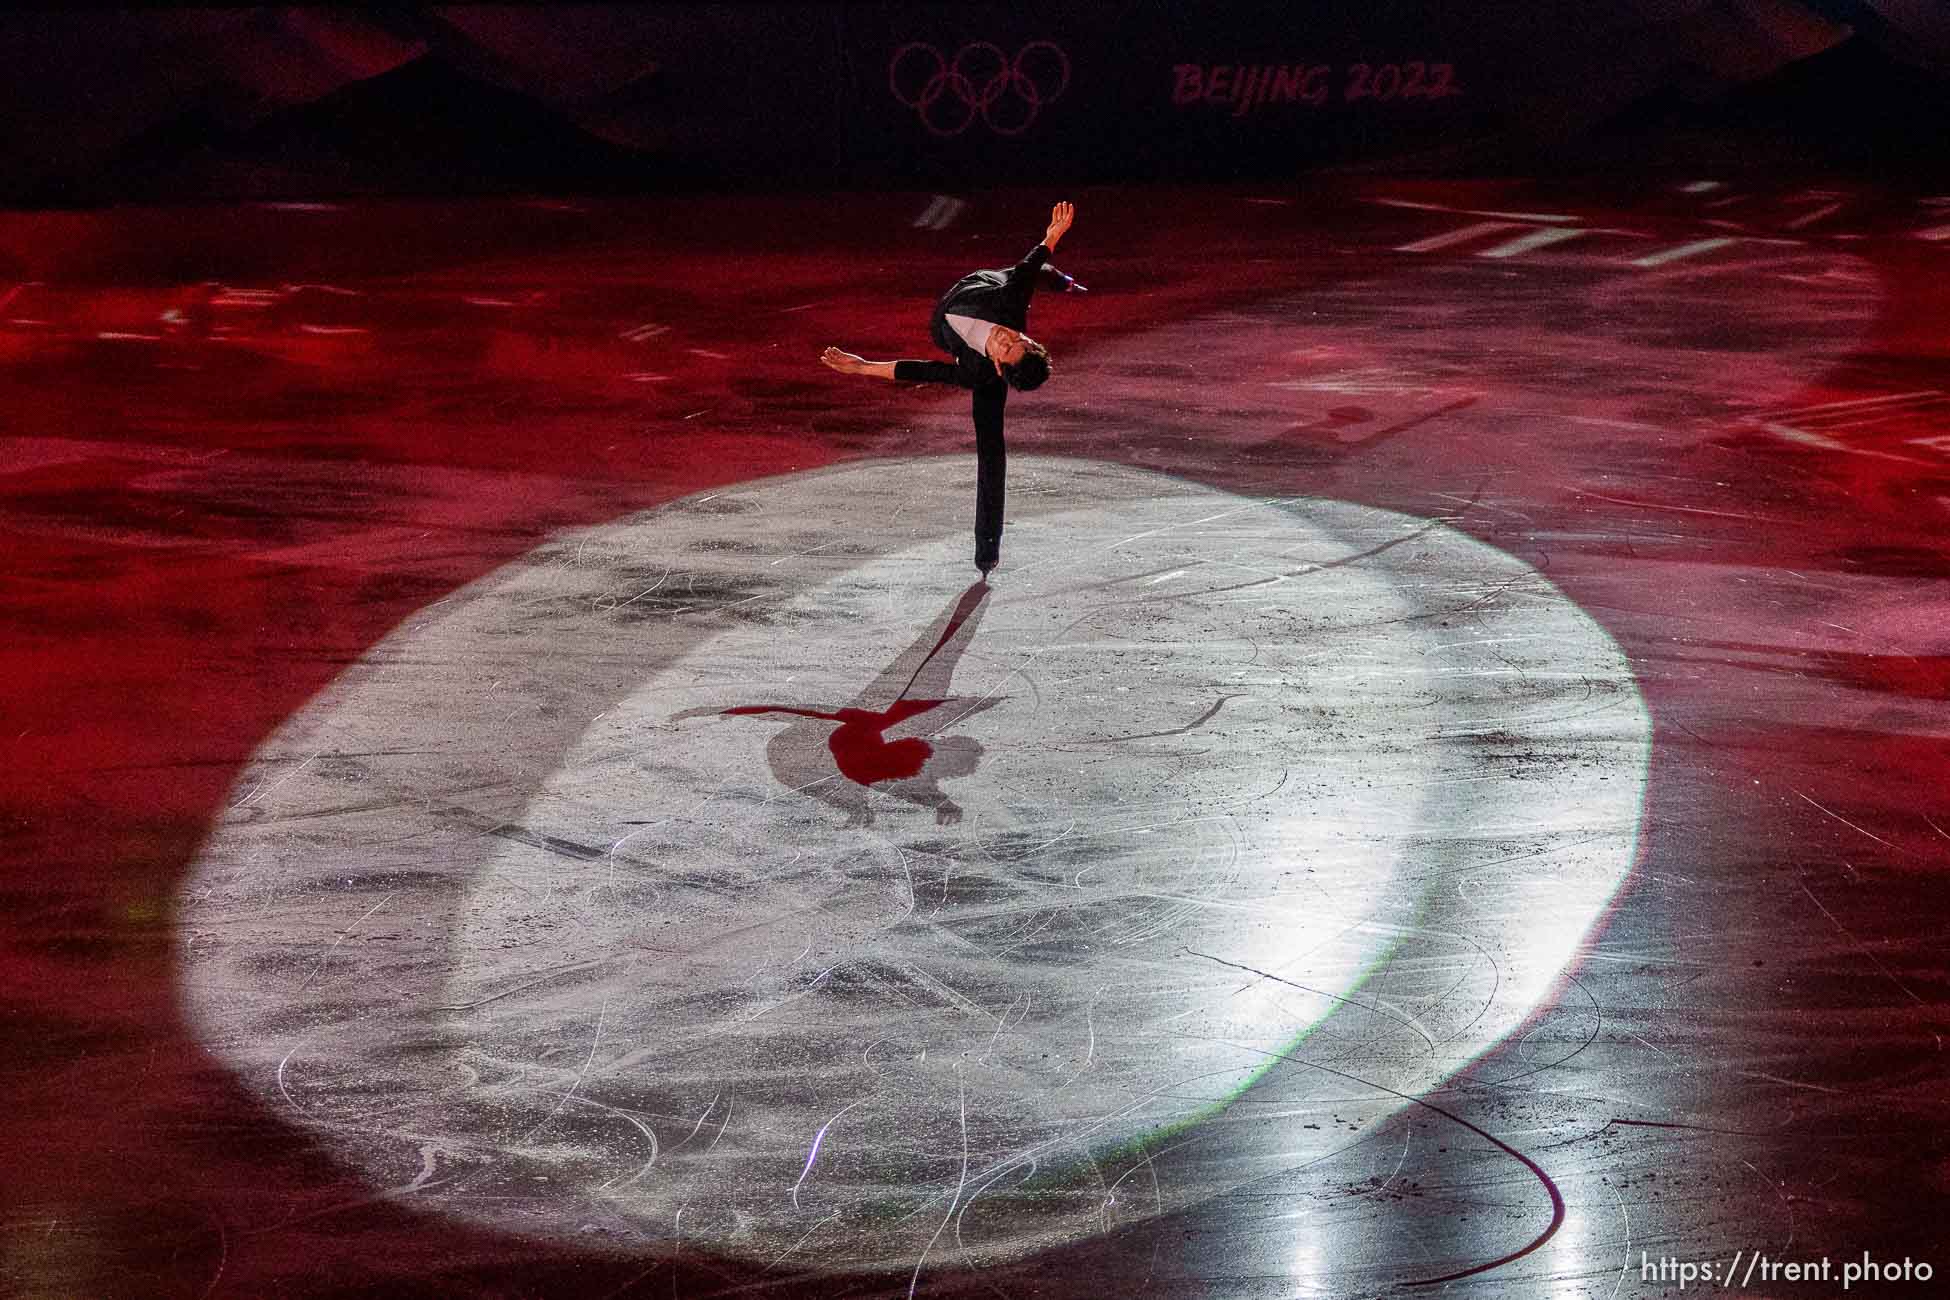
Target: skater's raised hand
{"x": 1060, "y": 218}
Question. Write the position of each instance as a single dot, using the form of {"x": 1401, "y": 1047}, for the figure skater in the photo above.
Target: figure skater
{"x": 979, "y": 323}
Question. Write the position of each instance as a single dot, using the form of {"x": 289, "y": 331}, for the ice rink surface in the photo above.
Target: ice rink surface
{"x": 515, "y": 789}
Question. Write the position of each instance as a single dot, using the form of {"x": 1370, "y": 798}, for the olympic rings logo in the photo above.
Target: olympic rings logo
{"x": 980, "y": 83}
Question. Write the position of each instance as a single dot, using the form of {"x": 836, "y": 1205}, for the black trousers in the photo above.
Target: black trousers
{"x": 991, "y": 472}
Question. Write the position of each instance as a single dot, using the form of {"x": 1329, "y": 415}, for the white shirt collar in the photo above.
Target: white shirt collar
{"x": 974, "y": 332}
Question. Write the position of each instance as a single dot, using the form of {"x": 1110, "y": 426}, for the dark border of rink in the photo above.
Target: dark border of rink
{"x": 170, "y": 102}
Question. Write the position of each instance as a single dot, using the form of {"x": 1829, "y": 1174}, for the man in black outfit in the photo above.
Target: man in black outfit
{"x": 979, "y": 323}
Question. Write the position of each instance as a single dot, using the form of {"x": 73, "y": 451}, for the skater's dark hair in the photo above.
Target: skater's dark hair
{"x": 1030, "y": 372}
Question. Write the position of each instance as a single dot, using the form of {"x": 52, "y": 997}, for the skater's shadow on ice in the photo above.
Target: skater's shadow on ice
{"x": 839, "y": 756}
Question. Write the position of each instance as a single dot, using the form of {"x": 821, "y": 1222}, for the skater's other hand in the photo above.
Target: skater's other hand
{"x": 844, "y": 362}
{"x": 1060, "y": 218}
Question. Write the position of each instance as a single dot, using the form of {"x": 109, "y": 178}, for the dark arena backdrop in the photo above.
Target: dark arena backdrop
{"x": 511, "y": 787}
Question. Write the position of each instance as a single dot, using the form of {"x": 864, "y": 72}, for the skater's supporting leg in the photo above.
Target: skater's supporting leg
{"x": 989, "y": 478}
{"x": 992, "y": 471}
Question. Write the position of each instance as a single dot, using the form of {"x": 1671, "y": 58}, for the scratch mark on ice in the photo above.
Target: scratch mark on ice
{"x": 581, "y": 1074}
{"x": 259, "y": 790}
{"x": 1844, "y": 821}
{"x": 960, "y": 1184}
{"x": 813, "y": 1155}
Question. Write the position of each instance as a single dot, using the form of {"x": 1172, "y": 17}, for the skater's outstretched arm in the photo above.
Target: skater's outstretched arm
{"x": 1022, "y": 278}
{"x": 848, "y": 364}
{"x": 913, "y": 372}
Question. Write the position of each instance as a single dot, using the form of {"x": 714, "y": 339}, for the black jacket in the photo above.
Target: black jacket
{"x": 1000, "y": 296}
